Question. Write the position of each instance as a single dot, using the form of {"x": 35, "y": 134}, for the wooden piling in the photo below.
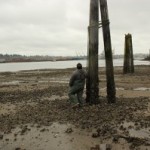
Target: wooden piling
{"x": 92, "y": 81}
{"x": 128, "y": 66}
{"x": 111, "y": 91}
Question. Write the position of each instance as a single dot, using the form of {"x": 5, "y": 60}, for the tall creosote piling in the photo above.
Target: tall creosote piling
{"x": 111, "y": 90}
{"x": 128, "y": 55}
{"x": 92, "y": 81}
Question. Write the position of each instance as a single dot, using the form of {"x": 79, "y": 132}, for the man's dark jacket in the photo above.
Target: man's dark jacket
{"x": 78, "y": 78}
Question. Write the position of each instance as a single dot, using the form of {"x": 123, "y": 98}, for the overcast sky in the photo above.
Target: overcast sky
{"x": 59, "y": 27}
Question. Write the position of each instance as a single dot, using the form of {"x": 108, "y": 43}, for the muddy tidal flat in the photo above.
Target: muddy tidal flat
{"x": 35, "y": 113}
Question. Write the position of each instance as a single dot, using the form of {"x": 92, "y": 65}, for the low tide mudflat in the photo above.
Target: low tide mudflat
{"x": 35, "y": 114}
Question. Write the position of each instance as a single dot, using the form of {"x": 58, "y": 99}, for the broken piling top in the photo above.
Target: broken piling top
{"x": 128, "y": 55}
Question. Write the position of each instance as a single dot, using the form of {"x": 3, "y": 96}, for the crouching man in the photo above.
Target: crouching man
{"x": 76, "y": 86}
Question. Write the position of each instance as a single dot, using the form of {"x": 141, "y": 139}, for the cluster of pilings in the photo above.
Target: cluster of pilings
{"x": 93, "y": 81}
{"x": 92, "y": 84}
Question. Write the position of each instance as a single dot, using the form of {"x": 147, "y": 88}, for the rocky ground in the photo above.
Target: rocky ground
{"x": 36, "y": 102}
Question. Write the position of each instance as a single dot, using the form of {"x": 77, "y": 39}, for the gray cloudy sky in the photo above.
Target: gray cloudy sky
{"x": 59, "y": 27}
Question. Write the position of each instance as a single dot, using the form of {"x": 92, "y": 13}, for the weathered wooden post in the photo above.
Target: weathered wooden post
{"x": 111, "y": 90}
{"x": 128, "y": 55}
{"x": 92, "y": 81}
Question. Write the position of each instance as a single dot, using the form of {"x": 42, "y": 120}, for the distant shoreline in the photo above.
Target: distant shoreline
{"x": 24, "y": 61}
{"x": 14, "y": 58}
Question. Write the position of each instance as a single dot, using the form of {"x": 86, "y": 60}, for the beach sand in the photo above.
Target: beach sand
{"x": 35, "y": 113}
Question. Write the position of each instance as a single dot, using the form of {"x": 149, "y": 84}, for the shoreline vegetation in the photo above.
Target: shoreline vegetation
{"x": 37, "y": 58}
{"x": 35, "y": 113}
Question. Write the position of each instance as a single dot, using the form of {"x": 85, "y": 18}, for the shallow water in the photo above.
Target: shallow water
{"x": 48, "y": 138}
{"x": 142, "y": 89}
{"x": 141, "y": 133}
{"x": 11, "y": 83}
{"x": 58, "y": 64}
{"x": 55, "y": 137}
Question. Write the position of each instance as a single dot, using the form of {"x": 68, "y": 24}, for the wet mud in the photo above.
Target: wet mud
{"x": 35, "y": 113}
